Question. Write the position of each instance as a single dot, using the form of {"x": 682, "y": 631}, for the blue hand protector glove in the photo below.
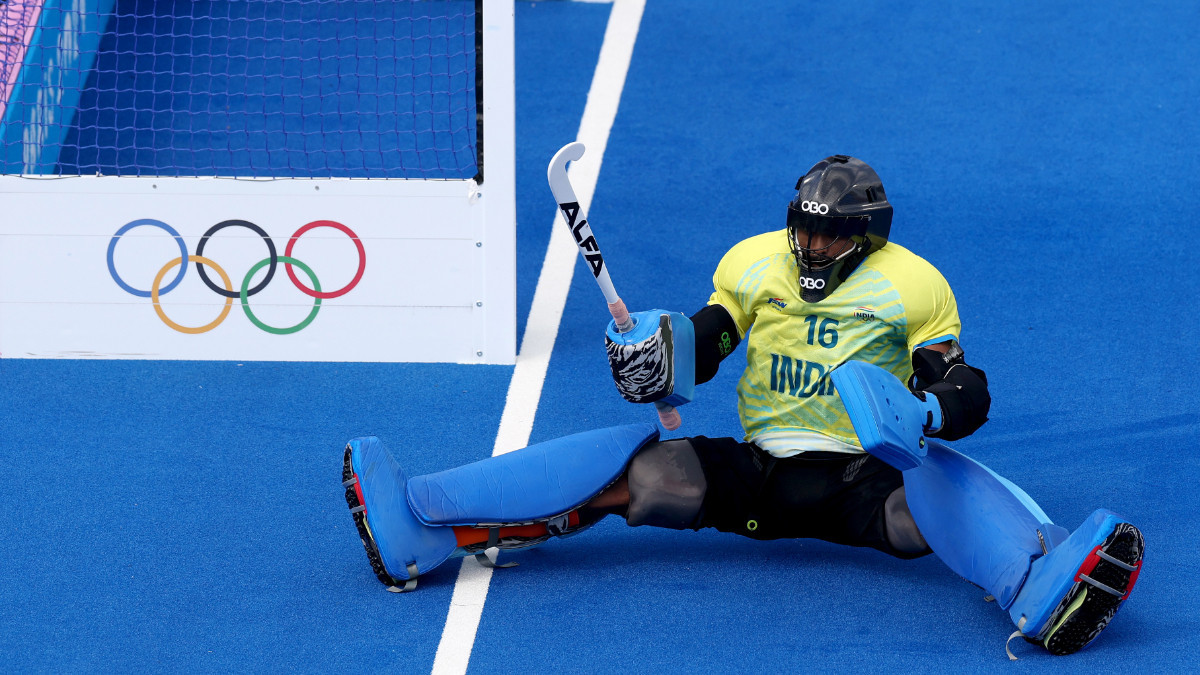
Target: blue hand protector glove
{"x": 656, "y": 361}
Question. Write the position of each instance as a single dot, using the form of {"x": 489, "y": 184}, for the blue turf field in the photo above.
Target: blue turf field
{"x": 188, "y": 516}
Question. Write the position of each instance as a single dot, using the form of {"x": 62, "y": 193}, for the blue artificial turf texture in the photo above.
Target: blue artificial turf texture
{"x": 172, "y": 516}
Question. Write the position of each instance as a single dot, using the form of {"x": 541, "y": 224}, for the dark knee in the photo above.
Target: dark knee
{"x": 902, "y": 531}
{"x": 666, "y": 486}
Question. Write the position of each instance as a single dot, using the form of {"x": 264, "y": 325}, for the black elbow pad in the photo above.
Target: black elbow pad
{"x": 716, "y": 338}
{"x": 961, "y": 390}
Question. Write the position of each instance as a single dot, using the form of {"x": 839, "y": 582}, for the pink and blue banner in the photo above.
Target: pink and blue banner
{"x": 53, "y": 47}
{"x": 18, "y": 19}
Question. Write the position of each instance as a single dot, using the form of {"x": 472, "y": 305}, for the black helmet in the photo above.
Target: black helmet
{"x": 843, "y": 198}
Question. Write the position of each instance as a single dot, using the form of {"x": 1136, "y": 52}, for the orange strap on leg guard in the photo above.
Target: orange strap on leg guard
{"x": 469, "y": 536}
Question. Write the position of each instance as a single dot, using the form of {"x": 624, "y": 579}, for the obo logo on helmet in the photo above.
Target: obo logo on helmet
{"x": 813, "y": 207}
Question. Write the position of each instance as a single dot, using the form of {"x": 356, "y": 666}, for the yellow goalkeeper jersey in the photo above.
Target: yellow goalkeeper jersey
{"x": 892, "y": 304}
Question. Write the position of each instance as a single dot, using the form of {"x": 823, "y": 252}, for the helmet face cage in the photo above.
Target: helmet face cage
{"x": 811, "y": 257}
{"x": 841, "y": 199}
{"x": 820, "y": 272}
{"x": 803, "y": 226}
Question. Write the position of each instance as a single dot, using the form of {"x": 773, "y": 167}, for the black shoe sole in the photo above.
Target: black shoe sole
{"x": 1081, "y": 627}
{"x": 354, "y": 500}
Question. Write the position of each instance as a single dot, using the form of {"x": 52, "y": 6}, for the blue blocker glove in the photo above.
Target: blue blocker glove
{"x": 656, "y": 361}
{"x": 891, "y": 422}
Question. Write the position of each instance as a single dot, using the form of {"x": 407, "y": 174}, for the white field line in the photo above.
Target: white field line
{"x": 525, "y": 389}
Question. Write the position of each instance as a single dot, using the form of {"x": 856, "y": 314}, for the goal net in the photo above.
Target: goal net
{"x": 259, "y": 180}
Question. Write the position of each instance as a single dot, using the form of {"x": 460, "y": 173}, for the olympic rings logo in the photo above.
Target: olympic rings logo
{"x": 226, "y": 290}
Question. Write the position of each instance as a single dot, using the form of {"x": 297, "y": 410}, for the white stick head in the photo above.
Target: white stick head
{"x": 558, "y": 164}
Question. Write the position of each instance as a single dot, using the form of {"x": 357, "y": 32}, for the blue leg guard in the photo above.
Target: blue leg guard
{"x": 406, "y": 525}
{"x": 982, "y": 526}
{"x": 1060, "y": 589}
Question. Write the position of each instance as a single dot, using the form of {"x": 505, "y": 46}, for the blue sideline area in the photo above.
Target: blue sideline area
{"x": 171, "y": 516}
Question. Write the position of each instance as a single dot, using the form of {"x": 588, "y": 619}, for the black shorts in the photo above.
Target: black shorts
{"x": 834, "y": 497}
